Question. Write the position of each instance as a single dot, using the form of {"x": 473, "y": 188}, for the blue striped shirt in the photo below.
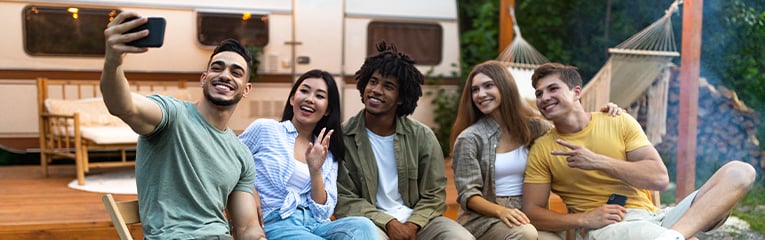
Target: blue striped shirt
{"x": 272, "y": 145}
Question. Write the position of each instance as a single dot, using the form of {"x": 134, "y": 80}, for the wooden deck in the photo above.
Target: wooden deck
{"x": 35, "y": 207}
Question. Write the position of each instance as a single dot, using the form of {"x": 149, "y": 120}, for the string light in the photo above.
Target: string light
{"x": 74, "y": 12}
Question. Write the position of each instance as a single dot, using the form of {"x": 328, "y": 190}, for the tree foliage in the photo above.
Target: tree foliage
{"x": 479, "y": 23}
{"x": 479, "y": 31}
{"x": 579, "y": 32}
{"x": 733, "y": 53}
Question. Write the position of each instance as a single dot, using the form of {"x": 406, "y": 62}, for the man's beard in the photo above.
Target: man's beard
{"x": 373, "y": 113}
{"x": 221, "y": 102}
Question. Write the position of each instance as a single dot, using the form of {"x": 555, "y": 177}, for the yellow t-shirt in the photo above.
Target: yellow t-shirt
{"x": 583, "y": 190}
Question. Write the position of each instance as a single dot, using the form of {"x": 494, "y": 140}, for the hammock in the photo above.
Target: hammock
{"x": 638, "y": 69}
{"x": 522, "y": 59}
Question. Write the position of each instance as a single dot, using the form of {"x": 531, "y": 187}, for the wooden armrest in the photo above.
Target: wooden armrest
{"x": 59, "y": 132}
{"x": 51, "y": 115}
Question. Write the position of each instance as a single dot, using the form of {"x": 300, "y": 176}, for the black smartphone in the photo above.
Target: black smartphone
{"x": 617, "y": 199}
{"x": 156, "y": 26}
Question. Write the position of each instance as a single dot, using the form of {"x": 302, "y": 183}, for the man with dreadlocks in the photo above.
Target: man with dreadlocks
{"x": 393, "y": 172}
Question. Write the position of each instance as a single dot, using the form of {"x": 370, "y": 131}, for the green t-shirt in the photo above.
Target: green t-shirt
{"x": 185, "y": 171}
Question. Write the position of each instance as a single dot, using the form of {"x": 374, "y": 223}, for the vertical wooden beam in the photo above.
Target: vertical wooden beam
{"x": 505, "y": 24}
{"x": 689, "y": 97}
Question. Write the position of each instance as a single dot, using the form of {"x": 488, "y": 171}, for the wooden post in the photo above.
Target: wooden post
{"x": 689, "y": 98}
{"x": 505, "y": 24}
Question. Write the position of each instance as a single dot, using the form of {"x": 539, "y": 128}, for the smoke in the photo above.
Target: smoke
{"x": 731, "y": 48}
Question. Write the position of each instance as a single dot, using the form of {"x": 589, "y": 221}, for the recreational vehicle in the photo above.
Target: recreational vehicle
{"x": 59, "y": 39}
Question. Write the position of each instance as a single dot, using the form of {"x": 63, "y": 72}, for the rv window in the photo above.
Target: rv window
{"x": 249, "y": 29}
{"x": 421, "y": 41}
{"x": 67, "y": 31}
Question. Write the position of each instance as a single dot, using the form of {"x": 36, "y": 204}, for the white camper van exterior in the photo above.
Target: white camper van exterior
{"x": 332, "y": 35}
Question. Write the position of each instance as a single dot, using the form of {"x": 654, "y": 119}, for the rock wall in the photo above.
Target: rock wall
{"x": 726, "y": 129}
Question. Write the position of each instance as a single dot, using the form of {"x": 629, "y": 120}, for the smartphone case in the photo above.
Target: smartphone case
{"x": 156, "y": 26}
{"x": 617, "y": 199}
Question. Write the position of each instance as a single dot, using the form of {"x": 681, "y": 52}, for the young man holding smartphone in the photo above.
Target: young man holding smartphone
{"x": 190, "y": 166}
{"x": 589, "y": 156}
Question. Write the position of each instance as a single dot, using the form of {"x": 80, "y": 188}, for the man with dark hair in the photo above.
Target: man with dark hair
{"x": 393, "y": 173}
{"x": 589, "y": 156}
{"x": 190, "y": 166}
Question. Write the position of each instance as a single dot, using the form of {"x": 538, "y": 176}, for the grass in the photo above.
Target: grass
{"x": 746, "y": 209}
{"x": 754, "y": 218}
{"x": 755, "y": 197}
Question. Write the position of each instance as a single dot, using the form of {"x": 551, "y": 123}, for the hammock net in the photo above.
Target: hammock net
{"x": 522, "y": 59}
{"x": 637, "y": 75}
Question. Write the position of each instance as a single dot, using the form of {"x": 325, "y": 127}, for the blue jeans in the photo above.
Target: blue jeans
{"x": 302, "y": 225}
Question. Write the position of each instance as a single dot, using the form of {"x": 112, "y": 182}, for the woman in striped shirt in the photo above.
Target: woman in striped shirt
{"x": 296, "y": 163}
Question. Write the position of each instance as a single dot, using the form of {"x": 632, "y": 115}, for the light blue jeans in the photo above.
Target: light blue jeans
{"x": 302, "y": 225}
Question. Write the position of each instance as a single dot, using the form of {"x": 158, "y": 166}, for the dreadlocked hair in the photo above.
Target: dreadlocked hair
{"x": 390, "y": 62}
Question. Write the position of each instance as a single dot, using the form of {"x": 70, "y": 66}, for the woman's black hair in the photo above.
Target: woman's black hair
{"x": 333, "y": 119}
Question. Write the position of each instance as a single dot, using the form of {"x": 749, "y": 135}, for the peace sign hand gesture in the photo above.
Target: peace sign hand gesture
{"x": 317, "y": 150}
{"x": 578, "y": 156}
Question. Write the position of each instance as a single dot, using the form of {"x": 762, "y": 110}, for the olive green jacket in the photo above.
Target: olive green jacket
{"x": 420, "y": 165}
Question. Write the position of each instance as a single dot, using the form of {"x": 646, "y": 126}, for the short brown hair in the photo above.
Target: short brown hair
{"x": 567, "y": 74}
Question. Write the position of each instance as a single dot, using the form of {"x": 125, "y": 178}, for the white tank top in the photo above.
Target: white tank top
{"x": 299, "y": 178}
{"x": 508, "y": 171}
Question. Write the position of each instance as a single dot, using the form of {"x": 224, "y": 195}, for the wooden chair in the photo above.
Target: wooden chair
{"x": 122, "y": 214}
{"x": 75, "y": 123}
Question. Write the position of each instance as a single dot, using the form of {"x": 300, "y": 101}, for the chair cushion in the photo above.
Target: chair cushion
{"x": 93, "y": 112}
{"x": 109, "y": 134}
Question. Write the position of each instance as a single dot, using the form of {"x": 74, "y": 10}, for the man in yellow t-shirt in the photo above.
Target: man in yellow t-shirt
{"x": 589, "y": 156}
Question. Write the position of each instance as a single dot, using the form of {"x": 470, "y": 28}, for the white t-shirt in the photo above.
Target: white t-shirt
{"x": 299, "y": 178}
{"x": 388, "y": 198}
{"x": 508, "y": 171}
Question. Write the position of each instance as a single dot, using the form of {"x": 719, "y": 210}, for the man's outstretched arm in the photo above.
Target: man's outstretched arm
{"x": 140, "y": 113}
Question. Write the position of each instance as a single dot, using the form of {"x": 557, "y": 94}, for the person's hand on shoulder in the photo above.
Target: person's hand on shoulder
{"x": 612, "y": 109}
